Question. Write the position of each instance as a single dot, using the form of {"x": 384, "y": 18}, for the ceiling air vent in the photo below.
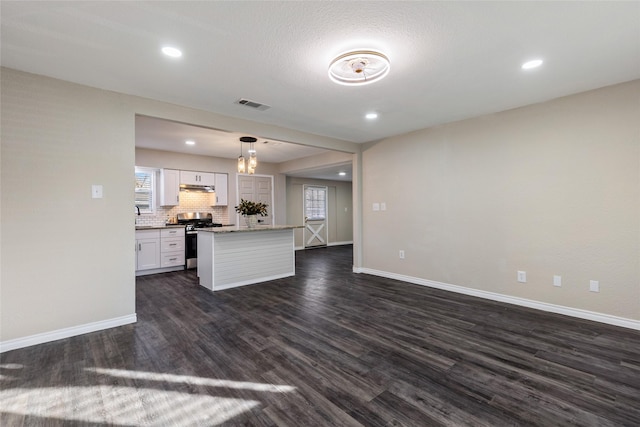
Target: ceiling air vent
{"x": 252, "y": 104}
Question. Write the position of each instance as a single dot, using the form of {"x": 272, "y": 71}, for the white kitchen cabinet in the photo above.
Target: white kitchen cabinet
{"x": 220, "y": 198}
{"x": 147, "y": 249}
{"x": 160, "y": 250}
{"x": 172, "y": 247}
{"x": 197, "y": 178}
{"x": 169, "y": 187}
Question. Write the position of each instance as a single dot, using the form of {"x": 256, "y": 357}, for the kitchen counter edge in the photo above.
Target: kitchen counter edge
{"x": 157, "y": 227}
{"x": 235, "y": 229}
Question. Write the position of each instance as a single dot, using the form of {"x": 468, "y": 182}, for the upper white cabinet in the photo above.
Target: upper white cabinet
{"x": 169, "y": 187}
{"x": 221, "y": 195}
{"x": 197, "y": 178}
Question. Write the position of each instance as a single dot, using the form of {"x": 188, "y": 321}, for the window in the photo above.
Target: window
{"x": 315, "y": 199}
{"x": 144, "y": 189}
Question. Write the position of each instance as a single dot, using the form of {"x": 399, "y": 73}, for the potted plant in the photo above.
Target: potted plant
{"x": 250, "y": 210}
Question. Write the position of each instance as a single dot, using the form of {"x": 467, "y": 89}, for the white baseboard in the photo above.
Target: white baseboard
{"x": 66, "y": 333}
{"x": 552, "y": 308}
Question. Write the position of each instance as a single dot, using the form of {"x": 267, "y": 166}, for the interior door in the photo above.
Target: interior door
{"x": 315, "y": 216}
{"x": 263, "y": 194}
{"x": 257, "y": 189}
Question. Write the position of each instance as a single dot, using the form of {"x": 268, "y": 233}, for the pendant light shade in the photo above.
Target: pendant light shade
{"x": 241, "y": 164}
{"x": 253, "y": 160}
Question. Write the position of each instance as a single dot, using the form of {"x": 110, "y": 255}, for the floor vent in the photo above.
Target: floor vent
{"x": 253, "y": 104}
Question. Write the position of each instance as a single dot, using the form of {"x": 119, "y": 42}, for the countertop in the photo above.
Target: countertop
{"x": 235, "y": 228}
{"x": 158, "y": 227}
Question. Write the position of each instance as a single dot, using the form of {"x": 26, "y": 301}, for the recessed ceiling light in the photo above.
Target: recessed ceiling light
{"x": 342, "y": 173}
{"x": 190, "y": 142}
{"x": 172, "y": 52}
{"x": 372, "y": 116}
{"x": 532, "y": 64}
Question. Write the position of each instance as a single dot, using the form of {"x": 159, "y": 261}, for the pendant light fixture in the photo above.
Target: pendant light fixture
{"x": 250, "y": 166}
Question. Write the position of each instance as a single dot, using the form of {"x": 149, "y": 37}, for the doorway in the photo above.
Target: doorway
{"x": 315, "y": 216}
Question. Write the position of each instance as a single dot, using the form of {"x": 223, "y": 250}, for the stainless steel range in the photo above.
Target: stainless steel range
{"x": 193, "y": 221}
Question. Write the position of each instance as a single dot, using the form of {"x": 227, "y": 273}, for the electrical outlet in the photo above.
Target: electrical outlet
{"x": 96, "y": 191}
{"x": 557, "y": 281}
{"x": 383, "y": 206}
{"x": 594, "y": 286}
{"x": 401, "y": 254}
{"x": 522, "y": 276}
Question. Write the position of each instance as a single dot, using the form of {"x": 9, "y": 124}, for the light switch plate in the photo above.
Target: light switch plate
{"x": 557, "y": 280}
{"x": 376, "y": 206}
{"x": 594, "y": 286}
{"x": 383, "y": 206}
{"x": 522, "y": 276}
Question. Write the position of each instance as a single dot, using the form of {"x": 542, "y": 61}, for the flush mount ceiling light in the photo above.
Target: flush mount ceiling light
{"x": 359, "y": 67}
{"x": 172, "y": 52}
{"x": 190, "y": 142}
{"x": 371, "y": 116}
{"x": 532, "y": 64}
{"x": 243, "y": 165}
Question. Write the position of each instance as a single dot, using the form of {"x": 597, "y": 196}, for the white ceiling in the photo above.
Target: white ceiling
{"x": 449, "y": 60}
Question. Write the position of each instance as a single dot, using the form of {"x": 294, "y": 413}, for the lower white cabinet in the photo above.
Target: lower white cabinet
{"x": 159, "y": 249}
{"x": 172, "y": 247}
{"x": 147, "y": 249}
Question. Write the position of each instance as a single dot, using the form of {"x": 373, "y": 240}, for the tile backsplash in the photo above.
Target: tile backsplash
{"x": 189, "y": 202}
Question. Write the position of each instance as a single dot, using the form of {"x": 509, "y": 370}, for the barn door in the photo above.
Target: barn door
{"x": 315, "y": 216}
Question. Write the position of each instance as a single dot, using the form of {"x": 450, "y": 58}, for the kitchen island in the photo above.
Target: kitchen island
{"x": 229, "y": 257}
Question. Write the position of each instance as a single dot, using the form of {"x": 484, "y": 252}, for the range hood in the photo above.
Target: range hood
{"x": 197, "y": 188}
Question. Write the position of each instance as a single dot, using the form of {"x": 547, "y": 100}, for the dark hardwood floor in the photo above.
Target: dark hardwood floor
{"x": 327, "y": 348}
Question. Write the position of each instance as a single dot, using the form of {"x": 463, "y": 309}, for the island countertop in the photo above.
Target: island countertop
{"x": 236, "y": 228}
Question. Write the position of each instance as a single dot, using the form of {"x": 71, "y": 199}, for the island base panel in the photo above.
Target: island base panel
{"x": 228, "y": 260}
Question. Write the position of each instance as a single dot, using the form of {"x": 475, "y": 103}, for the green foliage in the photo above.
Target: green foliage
{"x": 247, "y": 207}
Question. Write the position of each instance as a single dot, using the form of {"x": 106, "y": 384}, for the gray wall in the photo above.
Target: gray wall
{"x": 551, "y": 189}
{"x": 67, "y": 259}
{"x": 339, "y": 209}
